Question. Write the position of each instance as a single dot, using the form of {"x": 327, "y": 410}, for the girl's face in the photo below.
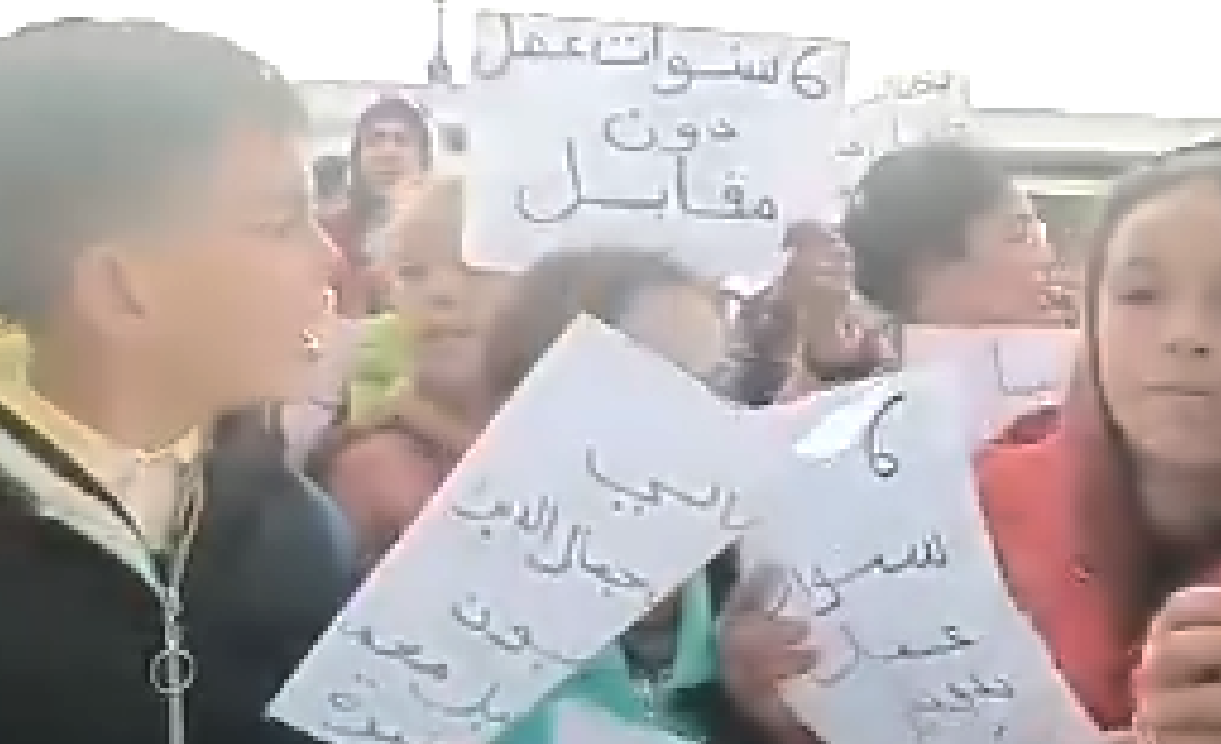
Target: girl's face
{"x": 448, "y": 304}
{"x": 681, "y": 323}
{"x": 1158, "y": 327}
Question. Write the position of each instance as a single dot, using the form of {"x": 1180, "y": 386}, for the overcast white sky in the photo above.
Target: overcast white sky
{"x": 1079, "y": 55}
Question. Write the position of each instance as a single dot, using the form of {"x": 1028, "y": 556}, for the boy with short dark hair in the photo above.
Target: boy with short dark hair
{"x": 157, "y": 247}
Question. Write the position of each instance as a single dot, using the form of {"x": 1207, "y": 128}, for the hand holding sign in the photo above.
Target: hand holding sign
{"x": 759, "y": 649}
{"x": 1178, "y": 685}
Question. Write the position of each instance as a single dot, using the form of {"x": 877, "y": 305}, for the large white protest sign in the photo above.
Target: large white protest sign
{"x": 909, "y": 110}
{"x": 607, "y": 480}
{"x": 587, "y": 134}
{"x": 886, "y": 552}
{"x": 1004, "y": 371}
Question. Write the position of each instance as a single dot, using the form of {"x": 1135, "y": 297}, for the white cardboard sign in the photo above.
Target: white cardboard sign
{"x": 607, "y": 481}
{"x": 909, "y": 110}
{"x": 886, "y": 553}
{"x": 1004, "y": 372}
{"x": 704, "y": 144}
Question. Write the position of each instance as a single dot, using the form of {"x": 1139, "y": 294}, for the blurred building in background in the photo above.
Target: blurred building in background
{"x": 1064, "y": 160}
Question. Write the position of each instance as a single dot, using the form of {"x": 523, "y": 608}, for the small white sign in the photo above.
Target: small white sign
{"x": 1005, "y": 371}
{"x": 887, "y": 554}
{"x": 607, "y": 481}
{"x": 587, "y": 134}
{"x": 910, "y": 109}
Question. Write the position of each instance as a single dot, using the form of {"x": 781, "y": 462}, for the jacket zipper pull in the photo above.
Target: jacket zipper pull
{"x": 172, "y": 670}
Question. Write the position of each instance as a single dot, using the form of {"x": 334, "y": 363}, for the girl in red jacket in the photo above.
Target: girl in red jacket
{"x": 1116, "y": 508}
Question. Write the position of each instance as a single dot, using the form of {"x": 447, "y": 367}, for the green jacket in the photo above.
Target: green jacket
{"x": 382, "y": 366}
{"x": 605, "y": 682}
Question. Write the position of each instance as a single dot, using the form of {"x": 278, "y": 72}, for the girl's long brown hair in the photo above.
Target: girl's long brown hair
{"x": 1114, "y": 541}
